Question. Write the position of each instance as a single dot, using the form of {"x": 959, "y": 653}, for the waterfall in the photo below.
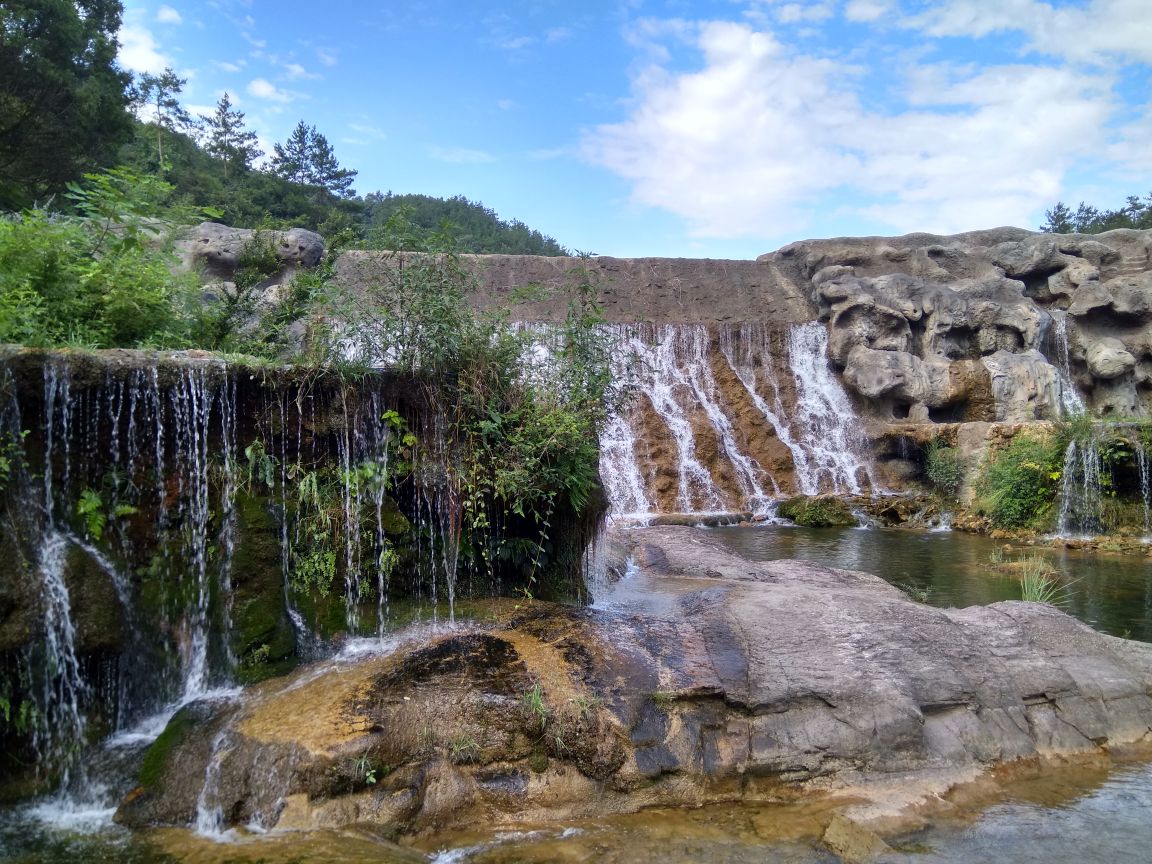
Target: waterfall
{"x": 828, "y": 426}
{"x": 673, "y": 370}
{"x": 1080, "y": 490}
{"x": 1145, "y": 471}
{"x": 666, "y": 384}
{"x": 209, "y": 813}
{"x": 63, "y": 722}
{"x": 1071, "y": 402}
{"x": 620, "y": 470}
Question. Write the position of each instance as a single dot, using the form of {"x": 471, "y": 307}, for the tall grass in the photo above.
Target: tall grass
{"x": 1040, "y": 582}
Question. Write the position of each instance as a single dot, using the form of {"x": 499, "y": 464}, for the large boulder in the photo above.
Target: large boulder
{"x": 709, "y": 678}
{"x": 215, "y": 250}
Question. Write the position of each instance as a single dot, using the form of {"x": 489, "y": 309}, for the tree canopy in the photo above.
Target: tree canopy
{"x": 1086, "y": 219}
{"x": 474, "y": 227}
{"x": 307, "y": 157}
{"x": 228, "y": 139}
{"x": 63, "y": 101}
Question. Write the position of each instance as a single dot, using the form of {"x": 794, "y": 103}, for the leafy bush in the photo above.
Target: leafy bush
{"x": 943, "y": 468}
{"x": 523, "y": 407}
{"x": 1018, "y": 484}
{"x": 102, "y": 277}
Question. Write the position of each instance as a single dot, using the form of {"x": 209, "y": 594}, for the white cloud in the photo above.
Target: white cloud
{"x": 867, "y": 10}
{"x": 760, "y": 136}
{"x": 328, "y": 58}
{"x": 1090, "y": 32}
{"x": 461, "y": 155}
{"x": 505, "y": 104}
{"x": 793, "y": 13}
{"x": 369, "y": 131}
{"x": 168, "y": 15}
{"x": 557, "y": 34}
{"x": 517, "y": 43}
{"x": 262, "y": 88}
{"x": 139, "y": 51}
{"x": 295, "y": 72}
{"x": 231, "y": 67}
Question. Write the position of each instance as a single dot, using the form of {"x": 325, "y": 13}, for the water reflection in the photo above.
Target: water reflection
{"x": 1112, "y": 593}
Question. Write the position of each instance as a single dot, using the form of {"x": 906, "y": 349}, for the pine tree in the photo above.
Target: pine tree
{"x": 290, "y": 160}
{"x": 227, "y": 139}
{"x": 160, "y": 92}
{"x": 326, "y": 171}
{"x": 307, "y": 157}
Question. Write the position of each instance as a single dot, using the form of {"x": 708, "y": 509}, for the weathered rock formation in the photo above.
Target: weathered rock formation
{"x": 712, "y": 678}
{"x": 990, "y": 327}
{"x": 989, "y": 297}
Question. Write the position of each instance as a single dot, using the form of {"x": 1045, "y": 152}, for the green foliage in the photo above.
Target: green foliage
{"x": 1086, "y": 219}
{"x": 63, "y": 101}
{"x": 523, "y": 406}
{"x": 307, "y": 158}
{"x": 101, "y": 278}
{"x": 159, "y": 93}
{"x": 536, "y": 706}
{"x": 1018, "y": 484}
{"x": 90, "y": 509}
{"x": 228, "y": 139}
{"x": 463, "y": 749}
{"x": 943, "y": 468}
{"x": 473, "y": 227}
{"x": 231, "y": 323}
{"x": 261, "y": 465}
{"x": 1039, "y": 583}
{"x": 95, "y": 515}
{"x": 11, "y": 454}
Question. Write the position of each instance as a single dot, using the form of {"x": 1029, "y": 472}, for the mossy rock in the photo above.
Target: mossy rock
{"x": 817, "y": 512}
{"x": 262, "y": 635}
{"x": 19, "y": 606}
{"x": 156, "y": 759}
{"x": 99, "y": 616}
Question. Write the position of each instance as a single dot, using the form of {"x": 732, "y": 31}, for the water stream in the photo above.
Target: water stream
{"x": 676, "y": 370}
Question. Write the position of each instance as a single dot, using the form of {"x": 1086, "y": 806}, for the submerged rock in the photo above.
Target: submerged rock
{"x": 716, "y": 679}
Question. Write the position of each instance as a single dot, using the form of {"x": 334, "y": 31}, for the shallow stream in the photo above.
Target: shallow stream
{"x": 1074, "y": 817}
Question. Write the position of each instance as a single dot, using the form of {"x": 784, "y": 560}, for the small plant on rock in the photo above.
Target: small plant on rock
{"x": 537, "y": 707}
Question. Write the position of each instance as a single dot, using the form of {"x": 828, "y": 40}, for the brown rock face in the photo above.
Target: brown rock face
{"x": 713, "y": 679}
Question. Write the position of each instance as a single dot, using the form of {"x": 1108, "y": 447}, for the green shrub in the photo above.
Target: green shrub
{"x": 943, "y": 468}
{"x": 1019, "y": 483}
{"x": 101, "y": 276}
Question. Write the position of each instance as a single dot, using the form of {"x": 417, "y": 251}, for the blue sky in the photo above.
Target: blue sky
{"x": 698, "y": 129}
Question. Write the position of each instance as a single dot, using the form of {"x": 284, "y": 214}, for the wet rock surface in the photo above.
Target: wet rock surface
{"x": 706, "y": 677}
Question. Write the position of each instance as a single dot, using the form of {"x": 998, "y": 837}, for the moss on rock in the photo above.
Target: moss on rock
{"x": 817, "y": 512}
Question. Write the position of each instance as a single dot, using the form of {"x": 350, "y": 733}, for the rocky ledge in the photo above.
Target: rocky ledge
{"x": 705, "y": 678}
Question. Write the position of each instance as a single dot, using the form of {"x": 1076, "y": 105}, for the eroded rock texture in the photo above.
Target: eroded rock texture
{"x": 707, "y": 678}
{"x": 928, "y": 327}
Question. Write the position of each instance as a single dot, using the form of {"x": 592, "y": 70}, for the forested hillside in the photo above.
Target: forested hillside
{"x": 67, "y": 109}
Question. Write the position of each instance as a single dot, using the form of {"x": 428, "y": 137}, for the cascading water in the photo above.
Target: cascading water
{"x": 1080, "y": 490}
{"x": 827, "y": 422}
{"x": 665, "y": 383}
{"x": 62, "y": 721}
{"x": 620, "y": 470}
{"x": 1071, "y": 402}
{"x": 673, "y": 369}
{"x": 1145, "y": 471}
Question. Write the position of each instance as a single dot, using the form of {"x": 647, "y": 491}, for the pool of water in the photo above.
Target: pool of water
{"x": 1072, "y": 817}
{"x": 1112, "y": 593}
{"x": 1077, "y": 818}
